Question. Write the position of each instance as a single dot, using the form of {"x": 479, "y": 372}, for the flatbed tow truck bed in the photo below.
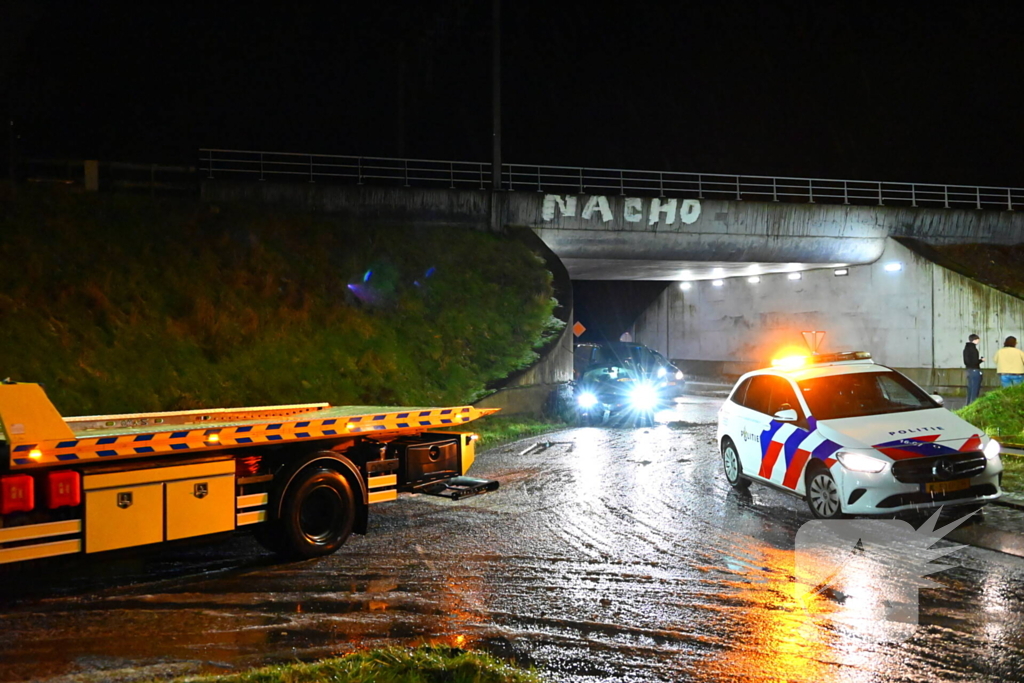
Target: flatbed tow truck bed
{"x": 304, "y": 474}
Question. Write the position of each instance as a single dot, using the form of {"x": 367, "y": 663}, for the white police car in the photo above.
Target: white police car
{"x": 853, "y": 437}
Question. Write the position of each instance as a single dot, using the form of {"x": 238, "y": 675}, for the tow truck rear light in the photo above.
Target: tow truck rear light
{"x": 63, "y": 489}
{"x": 17, "y": 494}
{"x": 248, "y": 466}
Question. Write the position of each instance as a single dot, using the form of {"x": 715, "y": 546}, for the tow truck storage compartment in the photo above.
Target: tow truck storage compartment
{"x": 425, "y": 458}
{"x": 141, "y": 506}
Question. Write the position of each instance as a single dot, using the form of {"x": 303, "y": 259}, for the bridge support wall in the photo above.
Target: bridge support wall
{"x": 917, "y": 318}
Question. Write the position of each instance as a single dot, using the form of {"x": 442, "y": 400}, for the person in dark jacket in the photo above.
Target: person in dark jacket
{"x": 972, "y": 361}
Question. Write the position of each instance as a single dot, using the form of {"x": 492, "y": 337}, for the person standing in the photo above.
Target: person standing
{"x": 973, "y": 361}
{"x": 1010, "y": 363}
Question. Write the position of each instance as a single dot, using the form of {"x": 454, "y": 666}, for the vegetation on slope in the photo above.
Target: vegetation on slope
{"x": 494, "y": 430}
{"x": 1000, "y": 414}
{"x": 126, "y": 304}
{"x": 996, "y": 265}
{"x": 390, "y": 665}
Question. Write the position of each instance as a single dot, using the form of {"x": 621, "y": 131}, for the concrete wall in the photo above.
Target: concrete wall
{"x": 618, "y": 237}
{"x": 917, "y": 318}
{"x": 380, "y": 205}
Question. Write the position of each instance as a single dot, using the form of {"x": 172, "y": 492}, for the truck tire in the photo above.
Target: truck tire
{"x": 317, "y": 515}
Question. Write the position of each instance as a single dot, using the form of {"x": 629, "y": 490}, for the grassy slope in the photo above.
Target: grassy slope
{"x": 128, "y": 304}
{"x": 1001, "y": 414}
{"x": 498, "y": 429}
{"x": 996, "y": 265}
{"x": 391, "y": 665}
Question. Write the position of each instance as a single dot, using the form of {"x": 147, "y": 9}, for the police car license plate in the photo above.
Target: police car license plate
{"x": 947, "y": 486}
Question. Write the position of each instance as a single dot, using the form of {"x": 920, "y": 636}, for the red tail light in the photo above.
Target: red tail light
{"x": 63, "y": 488}
{"x": 248, "y": 466}
{"x": 17, "y": 494}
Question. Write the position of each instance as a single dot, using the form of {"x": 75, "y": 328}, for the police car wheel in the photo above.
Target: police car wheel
{"x": 823, "y": 495}
{"x": 319, "y": 510}
{"x": 733, "y": 468}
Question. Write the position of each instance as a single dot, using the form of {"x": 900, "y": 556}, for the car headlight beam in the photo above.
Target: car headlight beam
{"x": 644, "y": 398}
{"x": 991, "y": 450}
{"x": 586, "y": 400}
{"x": 859, "y": 462}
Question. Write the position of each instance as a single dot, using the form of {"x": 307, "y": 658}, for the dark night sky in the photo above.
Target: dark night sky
{"x": 900, "y": 91}
{"x": 907, "y": 91}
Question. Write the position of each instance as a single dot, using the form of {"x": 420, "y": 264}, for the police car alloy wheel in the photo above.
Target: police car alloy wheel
{"x": 823, "y": 495}
{"x": 733, "y": 469}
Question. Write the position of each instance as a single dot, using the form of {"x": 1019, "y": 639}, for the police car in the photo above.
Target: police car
{"x": 853, "y": 437}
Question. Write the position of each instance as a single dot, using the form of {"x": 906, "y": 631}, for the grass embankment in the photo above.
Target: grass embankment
{"x": 1000, "y": 414}
{"x": 996, "y": 265}
{"x": 391, "y": 665}
{"x": 498, "y": 429}
{"x": 128, "y": 304}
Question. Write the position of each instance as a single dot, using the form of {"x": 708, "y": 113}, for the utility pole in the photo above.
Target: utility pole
{"x": 10, "y": 152}
{"x": 496, "y": 95}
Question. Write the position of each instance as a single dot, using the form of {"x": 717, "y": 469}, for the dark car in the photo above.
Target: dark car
{"x": 623, "y": 379}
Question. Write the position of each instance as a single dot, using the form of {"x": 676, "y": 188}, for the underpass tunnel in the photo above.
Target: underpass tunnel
{"x": 912, "y": 308}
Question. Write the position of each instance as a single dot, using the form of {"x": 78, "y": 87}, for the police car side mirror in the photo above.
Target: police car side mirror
{"x": 787, "y": 415}
{"x": 938, "y": 399}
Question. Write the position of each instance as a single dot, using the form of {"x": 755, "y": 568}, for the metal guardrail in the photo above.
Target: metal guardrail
{"x": 226, "y": 163}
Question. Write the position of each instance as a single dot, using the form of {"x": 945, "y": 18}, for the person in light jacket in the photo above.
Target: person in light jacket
{"x": 972, "y": 361}
{"x": 1010, "y": 363}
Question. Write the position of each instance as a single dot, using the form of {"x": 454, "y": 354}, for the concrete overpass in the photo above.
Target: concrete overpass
{"x": 796, "y": 235}
{"x": 651, "y": 238}
{"x": 616, "y": 224}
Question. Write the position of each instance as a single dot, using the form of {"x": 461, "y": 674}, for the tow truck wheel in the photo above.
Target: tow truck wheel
{"x": 733, "y": 468}
{"x": 823, "y": 494}
{"x": 318, "y": 513}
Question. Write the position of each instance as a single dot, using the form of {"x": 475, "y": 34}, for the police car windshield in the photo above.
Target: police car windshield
{"x": 862, "y": 393}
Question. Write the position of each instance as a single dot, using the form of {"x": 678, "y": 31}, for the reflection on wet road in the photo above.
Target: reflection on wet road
{"x": 613, "y": 555}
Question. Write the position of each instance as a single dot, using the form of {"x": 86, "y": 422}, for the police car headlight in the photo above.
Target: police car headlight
{"x": 679, "y": 374}
{"x": 586, "y": 400}
{"x": 858, "y": 462}
{"x": 991, "y": 449}
{"x": 644, "y": 398}
{"x": 662, "y": 372}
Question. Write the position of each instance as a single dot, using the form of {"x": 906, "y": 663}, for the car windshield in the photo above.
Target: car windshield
{"x": 862, "y": 393}
{"x": 620, "y": 354}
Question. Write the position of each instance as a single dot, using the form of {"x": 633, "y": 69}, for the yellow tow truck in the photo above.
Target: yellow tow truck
{"x": 301, "y": 476}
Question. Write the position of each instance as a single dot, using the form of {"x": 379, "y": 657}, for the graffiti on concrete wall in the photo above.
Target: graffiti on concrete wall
{"x": 633, "y": 209}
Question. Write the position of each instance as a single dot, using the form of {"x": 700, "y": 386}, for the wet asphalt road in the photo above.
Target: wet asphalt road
{"x": 612, "y": 555}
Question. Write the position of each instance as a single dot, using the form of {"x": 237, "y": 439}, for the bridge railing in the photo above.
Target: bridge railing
{"x": 472, "y": 175}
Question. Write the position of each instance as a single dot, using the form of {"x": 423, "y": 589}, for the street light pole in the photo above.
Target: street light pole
{"x": 496, "y": 95}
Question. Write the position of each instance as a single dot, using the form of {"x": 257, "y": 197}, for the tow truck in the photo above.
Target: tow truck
{"x": 302, "y": 477}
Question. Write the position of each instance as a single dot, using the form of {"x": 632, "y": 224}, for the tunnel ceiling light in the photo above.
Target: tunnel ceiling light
{"x": 794, "y": 276}
{"x": 685, "y": 275}
{"x": 685, "y": 286}
{"x": 893, "y": 267}
{"x": 839, "y": 272}
{"x": 718, "y": 283}
{"x": 753, "y": 268}
{"x": 753, "y": 280}
{"x": 718, "y": 271}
